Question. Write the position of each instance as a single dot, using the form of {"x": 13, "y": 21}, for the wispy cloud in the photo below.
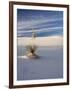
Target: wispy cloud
{"x": 31, "y": 24}
{"x": 46, "y": 23}
{"x": 41, "y": 30}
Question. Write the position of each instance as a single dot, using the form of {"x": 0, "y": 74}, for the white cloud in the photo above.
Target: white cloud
{"x": 30, "y": 24}
{"x": 41, "y": 30}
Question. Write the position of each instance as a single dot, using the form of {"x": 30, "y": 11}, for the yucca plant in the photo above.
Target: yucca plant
{"x": 31, "y": 49}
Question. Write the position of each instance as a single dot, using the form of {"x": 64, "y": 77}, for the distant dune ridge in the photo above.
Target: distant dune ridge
{"x": 41, "y": 41}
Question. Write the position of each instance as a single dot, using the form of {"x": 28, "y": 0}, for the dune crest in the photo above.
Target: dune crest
{"x": 41, "y": 41}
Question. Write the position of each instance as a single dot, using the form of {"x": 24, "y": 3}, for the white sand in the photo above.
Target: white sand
{"x": 50, "y": 63}
{"x": 48, "y": 66}
{"x": 41, "y": 41}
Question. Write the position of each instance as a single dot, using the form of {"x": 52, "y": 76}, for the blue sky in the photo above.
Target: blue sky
{"x": 44, "y": 22}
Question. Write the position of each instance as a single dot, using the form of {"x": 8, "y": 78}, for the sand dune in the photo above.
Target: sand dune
{"x": 41, "y": 41}
{"x": 48, "y": 66}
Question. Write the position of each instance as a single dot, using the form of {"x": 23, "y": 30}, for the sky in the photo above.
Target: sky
{"x": 44, "y": 22}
